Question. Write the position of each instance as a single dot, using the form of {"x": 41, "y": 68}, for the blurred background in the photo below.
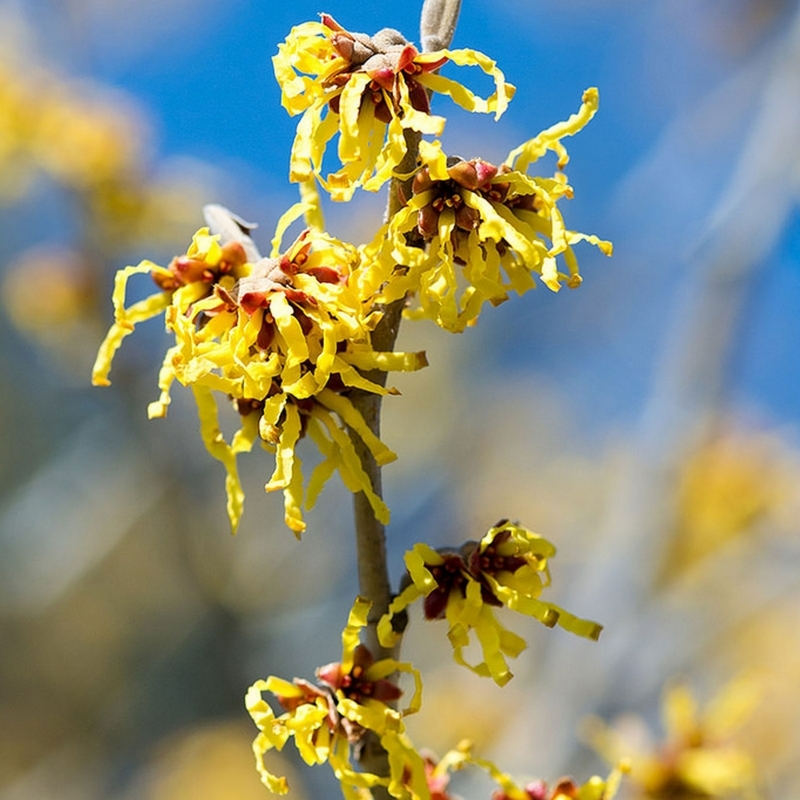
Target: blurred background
{"x": 646, "y": 423}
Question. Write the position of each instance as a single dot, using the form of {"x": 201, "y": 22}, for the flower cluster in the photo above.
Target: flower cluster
{"x": 508, "y": 567}
{"x": 285, "y": 338}
{"x": 327, "y": 720}
{"x": 369, "y": 90}
{"x": 488, "y": 230}
{"x": 355, "y": 698}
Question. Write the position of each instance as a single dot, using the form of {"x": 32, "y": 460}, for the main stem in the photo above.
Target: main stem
{"x": 373, "y": 573}
{"x": 438, "y": 22}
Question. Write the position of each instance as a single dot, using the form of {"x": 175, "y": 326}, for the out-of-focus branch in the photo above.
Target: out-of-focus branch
{"x": 688, "y": 389}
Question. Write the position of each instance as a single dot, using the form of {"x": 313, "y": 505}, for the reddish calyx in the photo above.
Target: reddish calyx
{"x": 184, "y": 269}
{"x": 355, "y": 685}
{"x": 383, "y": 56}
{"x": 474, "y": 175}
{"x": 449, "y": 576}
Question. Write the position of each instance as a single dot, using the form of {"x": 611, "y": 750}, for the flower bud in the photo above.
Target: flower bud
{"x": 472, "y": 174}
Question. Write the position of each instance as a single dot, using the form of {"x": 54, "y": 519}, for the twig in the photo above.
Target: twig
{"x": 438, "y": 23}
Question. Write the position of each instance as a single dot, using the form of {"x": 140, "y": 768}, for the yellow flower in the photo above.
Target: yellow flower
{"x": 698, "y": 758}
{"x": 488, "y": 230}
{"x": 369, "y": 90}
{"x": 285, "y": 338}
{"x": 438, "y": 776}
{"x": 508, "y": 567}
{"x": 596, "y": 788}
{"x": 326, "y": 720}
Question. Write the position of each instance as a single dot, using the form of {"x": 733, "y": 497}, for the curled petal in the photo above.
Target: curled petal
{"x": 386, "y": 634}
{"x": 406, "y": 767}
{"x": 386, "y": 362}
{"x": 217, "y": 446}
{"x": 548, "y": 614}
{"x": 272, "y": 735}
{"x": 497, "y": 102}
{"x": 324, "y": 470}
{"x": 521, "y": 157}
{"x": 353, "y": 419}
{"x": 374, "y": 715}
{"x": 125, "y": 319}
{"x": 386, "y": 666}
{"x": 350, "y": 467}
{"x": 434, "y": 158}
{"x": 308, "y": 207}
{"x": 496, "y": 642}
{"x": 351, "y": 634}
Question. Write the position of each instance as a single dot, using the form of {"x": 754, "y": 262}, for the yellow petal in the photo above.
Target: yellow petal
{"x": 406, "y": 768}
{"x": 350, "y": 129}
{"x": 351, "y": 469}
{"x": 348, "y": 413}
{"x": 386, "y": 635}
{"x": 374, "y": 717}
{"x": 125, "y": 319}
{"x": 293, "y": 500}
{"x": 417, "y": 560}
{"x": 521, "y": 157}
{"x": 289, "y": 328}
{"x": 497, "y": 102}
{"x": 217, "y": 446}
{"x": 325, "y": 469}
{"x": 386, "y": 362}
{"x": 389, "y": 157}
{"x": 433, "y": 157}
{"x": 386, "y": 666}
{"x": 351, "y": 635}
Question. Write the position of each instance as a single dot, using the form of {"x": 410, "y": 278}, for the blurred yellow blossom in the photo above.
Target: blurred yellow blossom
{"x": 489, "y": 229}
{"x": 508, "y": 567}
{"x": 83, "y": 139}
{"x": 80, "y": 133}
{"x": 698, "y": 757}
{"x": 50, "y": 296}
{"x": 352, "y": 698}
{"x": 90, "y": 138}
{"x": 369, "y": 90}
{"x": 285, "y": 338}
{"x": 729, "y": 484}
{"x": 206, "y": 762}
{"x": 46, "y": 290}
